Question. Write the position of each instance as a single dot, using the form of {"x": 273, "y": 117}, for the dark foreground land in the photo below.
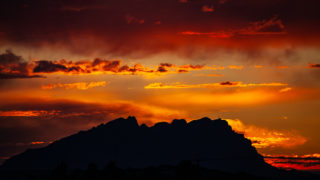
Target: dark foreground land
{"x": 185, "y": 170}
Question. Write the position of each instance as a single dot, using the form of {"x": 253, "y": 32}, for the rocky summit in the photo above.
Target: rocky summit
{"x": 208, "y": 143}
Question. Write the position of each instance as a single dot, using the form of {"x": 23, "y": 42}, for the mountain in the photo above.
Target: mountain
{"x": 209, "y": 143}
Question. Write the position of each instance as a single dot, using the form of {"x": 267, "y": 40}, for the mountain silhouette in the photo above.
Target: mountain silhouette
{"x": 208, "y": 143}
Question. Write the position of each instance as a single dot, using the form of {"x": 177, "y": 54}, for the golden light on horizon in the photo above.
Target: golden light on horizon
{"x": 267, "y": 138}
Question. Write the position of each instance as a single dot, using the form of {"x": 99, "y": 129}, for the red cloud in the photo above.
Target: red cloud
{"x": 206, "y": 8}
{"x": 314, "y": 65}
{"x": 183, "y": 1}
{"x": 273, "y": 26}
{"x": 133, "y": 20}
{"x": 309, "y": 162}
{"x": 111, "y": 27}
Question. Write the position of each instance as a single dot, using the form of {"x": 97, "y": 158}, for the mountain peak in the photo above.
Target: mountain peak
{"x": 130, "y": 122}
{"x": 179, "y": 123}
{"x": 127, "y": 144}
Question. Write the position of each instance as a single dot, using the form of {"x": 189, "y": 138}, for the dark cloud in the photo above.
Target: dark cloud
{"x": 162, "y": 69}
{"x": 182, "y": 71}
{"x": 228, "y": 83}
{"x": 14, "y": 67}
{"x": 48, "y": 67}
{"x": 112, "y": 66}
{"x": 129, "y": 27}
{"x": 124, "y": 68}
{"x": 45, "y": 66}
{"x": 104, "y": 66}
{"x": 314, "y": 65}
{"x": 166, "y": 65}
{"x": 273, "y": 26}
{"x": 9, "y": 58}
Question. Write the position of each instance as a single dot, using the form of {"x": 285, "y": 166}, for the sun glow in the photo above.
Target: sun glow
{"x": 308, "y": 162}
{"x": 266, "y": 138}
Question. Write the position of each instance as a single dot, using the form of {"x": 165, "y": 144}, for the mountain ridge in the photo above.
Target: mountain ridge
{"x": 210, "y": 143}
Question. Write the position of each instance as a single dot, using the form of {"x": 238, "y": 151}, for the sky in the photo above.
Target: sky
{"x": 68, "y": 65}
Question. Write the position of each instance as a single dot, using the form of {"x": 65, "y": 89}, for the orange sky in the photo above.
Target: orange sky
{"x": 79, "y": 64}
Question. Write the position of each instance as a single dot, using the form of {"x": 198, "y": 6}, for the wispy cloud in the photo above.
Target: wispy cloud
{"x": 27, "y": 113}
{"x": 269, "y": 27}
{"x": 308, "y": 162}
{"x": 211, "y": 85}
{"x": 221, "y": 34}
{"x": 78, "y": 85}
{"x": 211, "y": 75}
{"x": 235, "y": 67}
{"x": 285, "y": 89}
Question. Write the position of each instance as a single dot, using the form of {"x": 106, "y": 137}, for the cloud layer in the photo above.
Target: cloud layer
{"x": 14, "y": 67}
{"x": 78, "y": 85}
{"x": 267, "y": 138}
{"x": 126, "y": 27}
{"x": 211, "y": 85}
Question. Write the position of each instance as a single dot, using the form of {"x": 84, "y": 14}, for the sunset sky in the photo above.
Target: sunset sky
{"x": 68, "y": 65}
